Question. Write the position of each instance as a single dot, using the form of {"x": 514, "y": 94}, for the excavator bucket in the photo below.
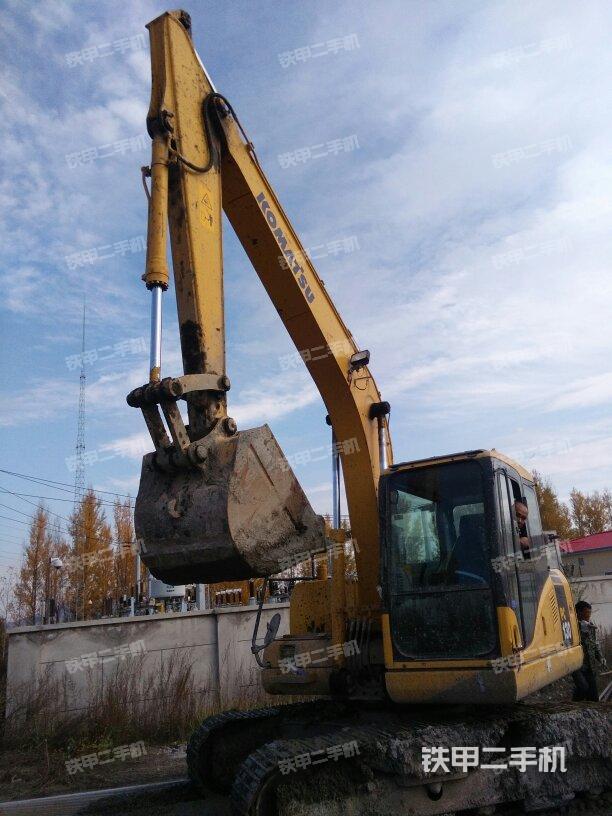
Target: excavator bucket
{"x": 238, "y": 513}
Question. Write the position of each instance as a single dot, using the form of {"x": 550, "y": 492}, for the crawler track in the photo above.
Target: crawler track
{"x": 257, "y": 754}
{"x": 218, "y": 746}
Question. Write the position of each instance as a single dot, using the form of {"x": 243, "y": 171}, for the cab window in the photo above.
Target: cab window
{"x": 439, "y": 562}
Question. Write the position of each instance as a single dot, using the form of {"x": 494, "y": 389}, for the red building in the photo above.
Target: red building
{"x": 591, "y": 555}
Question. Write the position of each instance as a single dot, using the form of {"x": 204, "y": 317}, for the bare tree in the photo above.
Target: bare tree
{"x": 8, "y": 584}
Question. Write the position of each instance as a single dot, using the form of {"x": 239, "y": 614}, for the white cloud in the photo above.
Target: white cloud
{"x": 20, "y": 286}
{"x": 134, "y": 446}
{"x": 42, "y": 400}
{"x": 585, "y": 392}
{"x": 286, "y": 393}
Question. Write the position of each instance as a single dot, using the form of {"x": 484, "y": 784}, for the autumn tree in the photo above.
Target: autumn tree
{"x": 30, "y": 587}
{"x": 90, "y": 565}
{"x": 591, "y": 512}
{"x": 554, "y": 513}
{"x": 125, "y": 551}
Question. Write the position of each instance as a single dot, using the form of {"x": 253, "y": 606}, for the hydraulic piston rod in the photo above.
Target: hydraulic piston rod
{"x": 156, "y": 333}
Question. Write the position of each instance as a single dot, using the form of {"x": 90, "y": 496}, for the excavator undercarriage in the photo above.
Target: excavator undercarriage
{"x": 338, "y": 758}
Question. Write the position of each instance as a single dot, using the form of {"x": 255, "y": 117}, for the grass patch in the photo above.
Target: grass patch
{"x": 126, "y": 705}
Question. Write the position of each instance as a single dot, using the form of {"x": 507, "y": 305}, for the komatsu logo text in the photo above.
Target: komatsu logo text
{"x": 288, "y": 253}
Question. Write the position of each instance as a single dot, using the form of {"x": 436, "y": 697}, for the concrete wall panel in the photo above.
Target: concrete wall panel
{"x": 85, "y": 657}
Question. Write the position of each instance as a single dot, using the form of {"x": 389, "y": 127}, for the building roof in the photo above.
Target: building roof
{"x": 599, "y": 541}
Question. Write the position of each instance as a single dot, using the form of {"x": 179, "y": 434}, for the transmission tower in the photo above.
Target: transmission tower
{"x": 79, "y": 475}
{"x": 79, "y": 461}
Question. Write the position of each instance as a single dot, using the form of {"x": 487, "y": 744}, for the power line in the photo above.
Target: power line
{"x": 64, "y": 532}
{"x": 17, "y": 521}
{"x": 57, "y": 515}
{"x": 21, "y": 495}
{"x": 63, "y": 487}
{"x": 52, "y": 482}
{"x": 28, "y": 515}
{"x": 48, "y": 498}
{"x": 32, "y": 518}
{"x": 53, "y": 498}
{"x": 4, "y": 490}
{"x": 14, "y": 510}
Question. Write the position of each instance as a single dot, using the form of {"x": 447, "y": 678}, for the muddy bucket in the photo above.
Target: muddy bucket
{"x": 240, "y": 513}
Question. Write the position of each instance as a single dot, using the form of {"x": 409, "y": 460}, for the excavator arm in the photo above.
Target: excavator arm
{"x": 203, "y": 163}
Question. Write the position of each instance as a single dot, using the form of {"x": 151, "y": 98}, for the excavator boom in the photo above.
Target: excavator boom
{"x": 203, "y": 163}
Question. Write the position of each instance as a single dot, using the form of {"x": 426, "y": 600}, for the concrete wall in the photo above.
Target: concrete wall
{"x": 82, "y": 656}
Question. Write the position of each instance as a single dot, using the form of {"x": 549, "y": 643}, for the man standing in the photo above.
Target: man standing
{"x": 585, "y": 682}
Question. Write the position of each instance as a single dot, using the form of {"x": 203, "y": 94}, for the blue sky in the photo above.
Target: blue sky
{"x": 473, "y": 212}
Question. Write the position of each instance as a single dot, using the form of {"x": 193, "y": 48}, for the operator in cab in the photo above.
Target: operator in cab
{"x": 521, "y": 512}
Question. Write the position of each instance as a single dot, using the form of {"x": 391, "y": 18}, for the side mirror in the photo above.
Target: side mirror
{"x": 272, "y": 629}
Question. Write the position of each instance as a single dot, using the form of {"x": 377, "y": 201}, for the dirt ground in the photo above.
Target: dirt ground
{"x": 25, "y": 775}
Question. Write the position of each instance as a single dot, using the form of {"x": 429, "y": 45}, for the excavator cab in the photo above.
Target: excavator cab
{"x": 474, "y": 604}
{"x": 465, "y": 580}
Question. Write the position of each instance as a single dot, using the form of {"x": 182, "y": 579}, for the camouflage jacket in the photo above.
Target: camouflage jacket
{"x": 590, "y": 645}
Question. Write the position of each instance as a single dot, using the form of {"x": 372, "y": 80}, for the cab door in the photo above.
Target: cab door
{"x": 521, "y": 571}
{"x": 505, "y": 565}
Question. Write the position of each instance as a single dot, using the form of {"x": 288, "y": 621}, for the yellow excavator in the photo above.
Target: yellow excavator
{"x": 460, "y": 607}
